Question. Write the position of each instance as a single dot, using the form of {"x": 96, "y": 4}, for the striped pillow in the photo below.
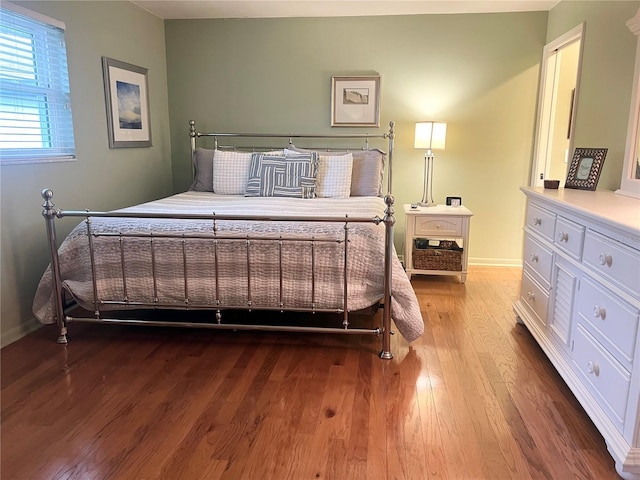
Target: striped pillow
{"x": 281, "y": 176}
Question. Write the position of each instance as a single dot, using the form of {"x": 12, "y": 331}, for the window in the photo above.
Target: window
{"x": 35, "y": 106}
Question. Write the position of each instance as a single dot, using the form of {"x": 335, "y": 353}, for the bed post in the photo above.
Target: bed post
{"x": 389, "y": 220}
{"x": 50, "y": 213}
{"x": 192, "y": 142}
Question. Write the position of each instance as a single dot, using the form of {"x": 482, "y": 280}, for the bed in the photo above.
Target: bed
{"x": 283, "y": 229}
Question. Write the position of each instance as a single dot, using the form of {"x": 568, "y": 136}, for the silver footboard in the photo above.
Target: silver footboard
{"x": 103, "y": 308}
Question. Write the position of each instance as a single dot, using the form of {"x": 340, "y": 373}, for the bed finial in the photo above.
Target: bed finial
{"x": 47, "y": 194}
{"x": 392, "y": 126}
{"x": 192, "y": 128}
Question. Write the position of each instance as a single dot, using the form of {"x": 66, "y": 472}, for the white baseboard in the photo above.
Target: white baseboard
{"x": 16, "y": 333}
{"x": 496, "y": 262}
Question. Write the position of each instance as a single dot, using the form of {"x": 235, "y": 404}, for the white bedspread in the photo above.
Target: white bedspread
{"x": 365, "y": 259}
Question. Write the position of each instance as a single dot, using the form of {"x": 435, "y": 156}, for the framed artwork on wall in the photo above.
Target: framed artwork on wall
{"x": 355, "y": 101}
{"x": 126, "y": 91}
{"x": 586, "y": 166}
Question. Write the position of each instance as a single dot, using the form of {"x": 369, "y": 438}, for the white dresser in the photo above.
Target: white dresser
{"x": 580, "y": 299}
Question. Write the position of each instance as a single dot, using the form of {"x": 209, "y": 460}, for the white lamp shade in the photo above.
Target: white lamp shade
{"x": 430, "y": 135}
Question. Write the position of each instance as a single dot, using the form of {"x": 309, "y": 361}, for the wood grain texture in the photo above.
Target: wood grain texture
{"x": 473, "y": 398}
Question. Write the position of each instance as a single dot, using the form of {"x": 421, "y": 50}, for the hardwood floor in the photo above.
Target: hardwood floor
{"x": 473, "y": 398}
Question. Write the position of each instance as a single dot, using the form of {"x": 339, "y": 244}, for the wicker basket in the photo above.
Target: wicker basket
{"x": 437, "y": 255}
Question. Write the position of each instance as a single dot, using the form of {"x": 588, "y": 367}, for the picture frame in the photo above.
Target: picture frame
{"x": 355, "y": 101}
{"x": 585, "y": 168}
{"x": 126, "y": 90}
{"x": 454, "y": 201}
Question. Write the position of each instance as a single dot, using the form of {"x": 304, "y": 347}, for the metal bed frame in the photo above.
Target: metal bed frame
{"x": 63, "y": 311}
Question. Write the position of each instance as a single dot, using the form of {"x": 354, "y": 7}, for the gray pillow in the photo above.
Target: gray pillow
{"x": 367, "y": 172}
{"x": 203, "y": 165}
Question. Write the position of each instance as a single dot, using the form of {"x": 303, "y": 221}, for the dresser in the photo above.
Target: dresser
{"x": 441, "y": 222}
{"x": 580, "y": 299}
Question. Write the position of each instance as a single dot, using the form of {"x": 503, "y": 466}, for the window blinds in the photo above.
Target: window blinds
{"x": 35, "y": 107}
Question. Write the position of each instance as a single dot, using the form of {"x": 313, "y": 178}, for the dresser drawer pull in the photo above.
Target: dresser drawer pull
{"x": 534, "y": 257}
{"x": 605, "y": 259}
{"x": 531, "y": 296}
{"x": 563, "y": 237}
{"x": 537, "y": 221}
{"x": 593, "y": 368}
{"x": 599, "y": 312}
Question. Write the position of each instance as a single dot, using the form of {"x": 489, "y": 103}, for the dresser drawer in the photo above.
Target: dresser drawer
{"x": 439, "y": 227}
{"x": 569, "y": 237}
{"x": 605, "y": 378}
{"x": 535, "y": 297}
{"x": 541, "y": 221}
{"x": 613, "y": 322}
{"x": 614, "y": 260}
{"x": 538, "y": 258}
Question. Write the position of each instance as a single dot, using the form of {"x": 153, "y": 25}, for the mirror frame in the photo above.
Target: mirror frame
{"x": 629, "y": 185}
{"x": 541, "y": 143}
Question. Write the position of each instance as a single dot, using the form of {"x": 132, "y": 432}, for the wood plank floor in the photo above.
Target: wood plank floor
{"x": 473, "y": 398}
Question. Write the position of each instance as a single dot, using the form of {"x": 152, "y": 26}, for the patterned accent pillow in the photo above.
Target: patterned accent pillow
{"x": 282, "y": 176}
{"x": 334, "y": 176}
{"x": 230, "y": 172}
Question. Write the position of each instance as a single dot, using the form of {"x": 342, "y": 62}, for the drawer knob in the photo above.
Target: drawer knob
{"x": 531, "y": 296}
{"x": 593, "y": 368}
{"x": 537, "y": 221}
{"x": 605, "y": 259}
{"x": 599, "y": 312}
{"x": 563, "y": 237}
{"x": 534, "y": 257}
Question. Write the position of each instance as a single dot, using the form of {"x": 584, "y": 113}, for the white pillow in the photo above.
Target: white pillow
{"x": 230, "y": 172}
{"x": 334, "y": 176}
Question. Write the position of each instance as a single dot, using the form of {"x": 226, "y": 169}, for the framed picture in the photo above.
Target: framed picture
{"x": 126, "y": 92}
{"x": 454, "y": 201}
{"x": 585, "y": 168}
{"x": 355, "y": 101}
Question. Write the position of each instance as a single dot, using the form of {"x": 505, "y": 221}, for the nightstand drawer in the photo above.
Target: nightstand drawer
{"x": 438, "y": 227}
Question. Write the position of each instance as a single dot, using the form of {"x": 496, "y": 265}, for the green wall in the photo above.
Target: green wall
{"x": 607, "y": 76}
{"x": 100, "y": 178}
{"x": 479, "y": 73}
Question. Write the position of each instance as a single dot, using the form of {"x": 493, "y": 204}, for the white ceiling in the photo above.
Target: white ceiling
{"x": 176, "y": 9}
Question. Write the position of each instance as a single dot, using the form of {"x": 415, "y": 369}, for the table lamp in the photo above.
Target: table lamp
{"x": 429, "y": 136}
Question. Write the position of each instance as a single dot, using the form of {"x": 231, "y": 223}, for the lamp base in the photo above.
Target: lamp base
{"x": 427, "y": 204}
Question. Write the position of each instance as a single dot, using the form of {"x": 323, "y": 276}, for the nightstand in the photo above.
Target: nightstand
{"x": 436, "y": 224}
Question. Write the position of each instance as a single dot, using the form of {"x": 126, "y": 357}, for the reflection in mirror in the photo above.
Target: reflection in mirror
{"x": 630, "y": 181}
{"x": 635, "y": 169}
{"x": 558, "y": 98}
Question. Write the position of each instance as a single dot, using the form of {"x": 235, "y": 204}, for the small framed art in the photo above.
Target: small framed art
{"x": 355, "y": 101}
{"x": 126, "y": 91}
{"x": 586, "y": 166}
{"x": 454, "y": 201}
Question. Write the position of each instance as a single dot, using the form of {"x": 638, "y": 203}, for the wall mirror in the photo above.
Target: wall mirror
{"x": 557, "y": 106}
{"x": 630, "y": 181}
